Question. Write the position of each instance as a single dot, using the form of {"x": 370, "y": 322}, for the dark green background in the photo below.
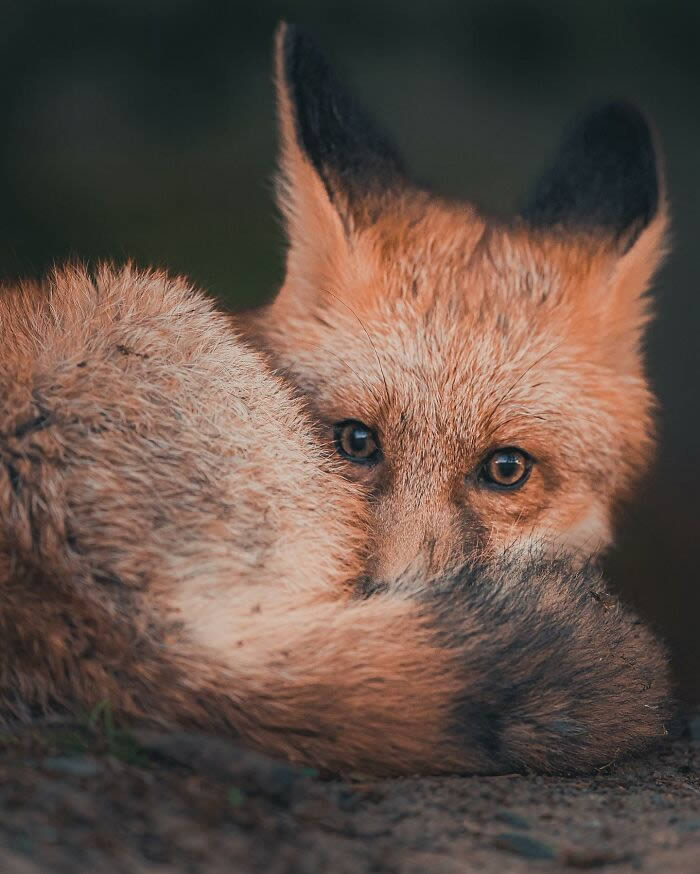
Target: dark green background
{"x": 145, "y": 129}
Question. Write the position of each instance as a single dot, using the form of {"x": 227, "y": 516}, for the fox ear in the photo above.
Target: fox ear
{"x": 606, "y": 182}
{"x": 333, "y": 159}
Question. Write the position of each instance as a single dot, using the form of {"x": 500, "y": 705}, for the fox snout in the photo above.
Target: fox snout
{"x": 422, "y": 540}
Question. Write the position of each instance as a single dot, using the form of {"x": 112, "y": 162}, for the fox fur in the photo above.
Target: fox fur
{"x": 179, "y": 538}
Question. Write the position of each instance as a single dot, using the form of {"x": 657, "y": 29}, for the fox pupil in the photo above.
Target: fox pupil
{"x": 358, "y": 440}
{"x": 507, "y": 467}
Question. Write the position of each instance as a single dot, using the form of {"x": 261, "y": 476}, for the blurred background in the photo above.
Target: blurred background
{"x": 144, "y": 129}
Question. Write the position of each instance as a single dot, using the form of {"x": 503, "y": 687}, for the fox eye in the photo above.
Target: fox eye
{"x": 357, "y": 442}
{"x": 506, "y": 468}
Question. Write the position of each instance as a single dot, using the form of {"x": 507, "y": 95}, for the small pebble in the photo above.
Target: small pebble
{"x": 74, "y": 766}
{"x": 524, "y": 846}
{"x": 512, "y": 819}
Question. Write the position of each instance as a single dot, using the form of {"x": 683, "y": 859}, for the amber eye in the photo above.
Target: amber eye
{"x": 356, "y": 442}
{"x": 506, "y": 468}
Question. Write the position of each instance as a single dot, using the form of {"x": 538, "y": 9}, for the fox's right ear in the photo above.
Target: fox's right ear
{"x": 336, "y": 169}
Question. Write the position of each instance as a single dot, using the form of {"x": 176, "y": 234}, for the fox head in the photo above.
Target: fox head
{"x": 482, "y": 380}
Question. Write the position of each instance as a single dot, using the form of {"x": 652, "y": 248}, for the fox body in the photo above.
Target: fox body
{"x": 179, "y": 535}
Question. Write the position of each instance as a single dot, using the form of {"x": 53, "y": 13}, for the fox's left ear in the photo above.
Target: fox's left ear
{"x": 336, "y": 167}
{"x": 607, "y": 182}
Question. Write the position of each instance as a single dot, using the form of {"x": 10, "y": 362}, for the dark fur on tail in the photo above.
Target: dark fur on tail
{"x": 557, "y": 673}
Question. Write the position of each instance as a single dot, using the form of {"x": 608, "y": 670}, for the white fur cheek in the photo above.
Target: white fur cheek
{"x": 590, "y": 534}
{"x": 584, "y": 538}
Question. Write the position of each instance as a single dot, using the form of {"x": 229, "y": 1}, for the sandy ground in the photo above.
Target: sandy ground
{"x": 87, "y": 798}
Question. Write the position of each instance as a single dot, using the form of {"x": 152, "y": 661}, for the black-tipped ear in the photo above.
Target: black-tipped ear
{"x": 604, "y": 179}
{"x": 350, "y": 154}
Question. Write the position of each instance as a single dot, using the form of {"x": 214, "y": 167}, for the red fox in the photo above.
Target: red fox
{"x": 366, "y": 543}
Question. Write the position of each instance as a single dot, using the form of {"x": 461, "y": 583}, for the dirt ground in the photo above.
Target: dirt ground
{"x": 86, "y": 798}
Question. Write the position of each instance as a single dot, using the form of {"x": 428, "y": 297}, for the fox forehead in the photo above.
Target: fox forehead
{"x": 452, "y": 319}
{"x": 460, "y": 405}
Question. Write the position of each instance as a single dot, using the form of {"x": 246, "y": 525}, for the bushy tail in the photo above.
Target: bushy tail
{"x": 502, "y": 667}
{"x": 510, "y": 666}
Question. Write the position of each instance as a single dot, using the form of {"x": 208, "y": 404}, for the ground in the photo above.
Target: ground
{"x": 84, "y": 797}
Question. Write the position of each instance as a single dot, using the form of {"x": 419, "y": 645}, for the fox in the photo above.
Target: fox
{"x": 358, "y": 527}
